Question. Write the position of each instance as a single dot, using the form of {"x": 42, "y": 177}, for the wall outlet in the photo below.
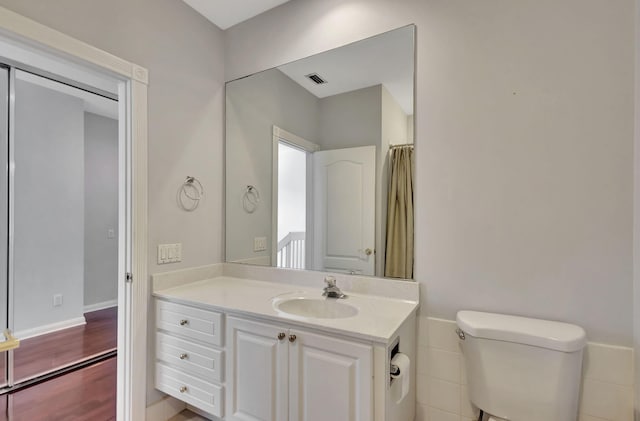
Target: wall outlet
{"x": 259, "y": 243}
{"x": 111, "y": 233}
{"x": 169, "y": 253}
{"x": 57, "y": 300}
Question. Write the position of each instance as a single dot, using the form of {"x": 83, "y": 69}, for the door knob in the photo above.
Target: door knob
{"x": 183, "y": 389}
{"x": 292, "y": 338}
{"x": 281, "y": 335}
{"x": 183, "y": 356}
{"x": 184, "y": 322}
{"x": 368, "y": 252}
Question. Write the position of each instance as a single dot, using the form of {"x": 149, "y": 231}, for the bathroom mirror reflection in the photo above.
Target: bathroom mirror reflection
{"x": 319, "y": 161}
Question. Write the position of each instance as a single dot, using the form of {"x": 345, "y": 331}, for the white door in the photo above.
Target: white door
{"x": 257, "y": 367}
{"x": 344, "y": 214}
{"x": 329, "y": 379}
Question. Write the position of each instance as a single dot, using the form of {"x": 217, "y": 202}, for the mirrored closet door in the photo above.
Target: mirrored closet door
{"x": 58, "y": 226}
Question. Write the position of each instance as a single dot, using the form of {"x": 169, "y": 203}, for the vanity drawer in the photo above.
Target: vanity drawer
{"x": 190, "y": 322}
{"x": 203, "y": 395}
{"x": 187, "y": 356}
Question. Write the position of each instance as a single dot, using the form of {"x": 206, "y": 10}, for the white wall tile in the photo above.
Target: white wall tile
{"x": 467, "y": 409}
{"x": 422, "y": 360}
{"x": 438, "y": 415}
{"x": 444, "y": 395}
{"x": 444, "y": 365}
{"x": 607, "y": 400}
{"x": 611, "y": 364}
{"x": 442, "y": 335}
{"x": 584, "y": 417}
{"x": 463, "y": 372}
{"x": 422, "y": 389}
{"x": 607, "y": 393}
{"x": 422, "y": 412}
{"x": 422, "y": 327}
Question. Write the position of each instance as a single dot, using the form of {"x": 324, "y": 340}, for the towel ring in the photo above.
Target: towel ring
{"x": 250, "y": 199}
{"x": 190, "y": 194}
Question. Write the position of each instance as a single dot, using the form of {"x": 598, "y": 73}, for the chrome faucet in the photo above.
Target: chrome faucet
{"x": 331, "y": 290}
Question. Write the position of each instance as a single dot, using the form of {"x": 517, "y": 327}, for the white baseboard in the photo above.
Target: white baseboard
{"x": 164, "y": 409}
{"x": 100, "y": 306}
{"x": 53, "y": 327}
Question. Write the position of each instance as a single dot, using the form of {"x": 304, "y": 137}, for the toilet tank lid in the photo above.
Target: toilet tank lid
{"x": 558, "y": 336}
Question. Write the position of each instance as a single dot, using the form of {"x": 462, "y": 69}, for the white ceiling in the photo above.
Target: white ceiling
{"x": 385, "y": 59}
{"x": 226, "y": 13}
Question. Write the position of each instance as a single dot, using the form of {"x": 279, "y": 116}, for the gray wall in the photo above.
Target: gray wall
{"x": 100, "y": 209}
{"x": 254, "y": 105}
{"x": 524, "y": 146}
{"x": 49, "y": 206}
{"x": 351, "y": 119}
{"x": 184, "y": 54}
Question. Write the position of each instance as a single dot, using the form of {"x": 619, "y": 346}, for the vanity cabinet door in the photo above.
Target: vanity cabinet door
{"x": 257, "y": 369}
{"x": 329, "y": 379}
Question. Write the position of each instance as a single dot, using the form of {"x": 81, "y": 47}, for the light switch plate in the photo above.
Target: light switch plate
{"x": 259, "y": 243}
{"x": 169, "y": 253}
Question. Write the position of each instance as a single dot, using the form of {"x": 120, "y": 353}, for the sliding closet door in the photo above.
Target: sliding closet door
{"x": 4, "y": 218}
{"x": 51, "y": 257}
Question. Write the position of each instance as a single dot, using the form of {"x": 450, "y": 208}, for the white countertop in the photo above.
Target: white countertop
{"x": 377, "y": 320}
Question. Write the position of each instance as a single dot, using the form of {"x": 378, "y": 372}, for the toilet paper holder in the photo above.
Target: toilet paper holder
{"x": 394, "y": 370}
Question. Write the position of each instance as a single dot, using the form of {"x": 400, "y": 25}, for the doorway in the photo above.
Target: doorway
{"x": 292, "y": 206}
{"x": 60, "y": 225}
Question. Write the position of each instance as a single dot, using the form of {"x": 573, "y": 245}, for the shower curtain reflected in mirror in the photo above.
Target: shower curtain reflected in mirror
{"x": 399, "y": 244}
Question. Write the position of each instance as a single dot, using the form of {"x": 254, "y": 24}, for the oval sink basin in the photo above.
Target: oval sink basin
{"x": 318, "y": 308}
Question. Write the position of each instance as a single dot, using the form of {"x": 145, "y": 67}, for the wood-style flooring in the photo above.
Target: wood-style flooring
{"x": 88, "y": 394}
{"x": 46, "y": 353}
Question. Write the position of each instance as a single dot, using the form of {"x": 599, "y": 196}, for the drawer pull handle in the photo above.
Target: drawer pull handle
{"x": 292, "y": 338}
{"x": 184, "y": 356}
{"x": 281, "y": 335}
{"x": 184, "y": 322}
{"x": 183, "y": 389}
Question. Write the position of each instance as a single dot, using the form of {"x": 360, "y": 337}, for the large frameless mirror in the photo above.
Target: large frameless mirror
{"x": 319, "y": 161}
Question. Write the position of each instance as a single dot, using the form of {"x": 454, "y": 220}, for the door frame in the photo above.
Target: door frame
{"x": 281, "y": 135}
{"x": 133, "y": 291}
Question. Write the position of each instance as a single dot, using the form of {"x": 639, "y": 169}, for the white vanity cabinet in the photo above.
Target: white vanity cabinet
{"x": 189, "y": 355}
{"x": 277, "y": 373}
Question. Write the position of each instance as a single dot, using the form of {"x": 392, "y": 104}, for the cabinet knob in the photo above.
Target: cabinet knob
{"x": 281, "y": 335}
{"x": 292, "y": 338}
{"x": 183, "y": 389}
{"x": 183, "y": 356}
{"x": 184, "y": 322}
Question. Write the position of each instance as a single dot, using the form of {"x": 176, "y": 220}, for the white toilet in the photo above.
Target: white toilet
{"x": 522, "y": 369}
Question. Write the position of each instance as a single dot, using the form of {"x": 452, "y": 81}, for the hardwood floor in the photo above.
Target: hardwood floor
{"x": 46, "y": 353}
{"x": 88, "y": 394}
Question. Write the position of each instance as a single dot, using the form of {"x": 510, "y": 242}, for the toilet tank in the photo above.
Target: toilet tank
{"x": 522, "y": 369}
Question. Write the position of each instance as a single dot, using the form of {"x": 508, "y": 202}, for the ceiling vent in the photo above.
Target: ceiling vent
{"x": 316, "y": 79}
